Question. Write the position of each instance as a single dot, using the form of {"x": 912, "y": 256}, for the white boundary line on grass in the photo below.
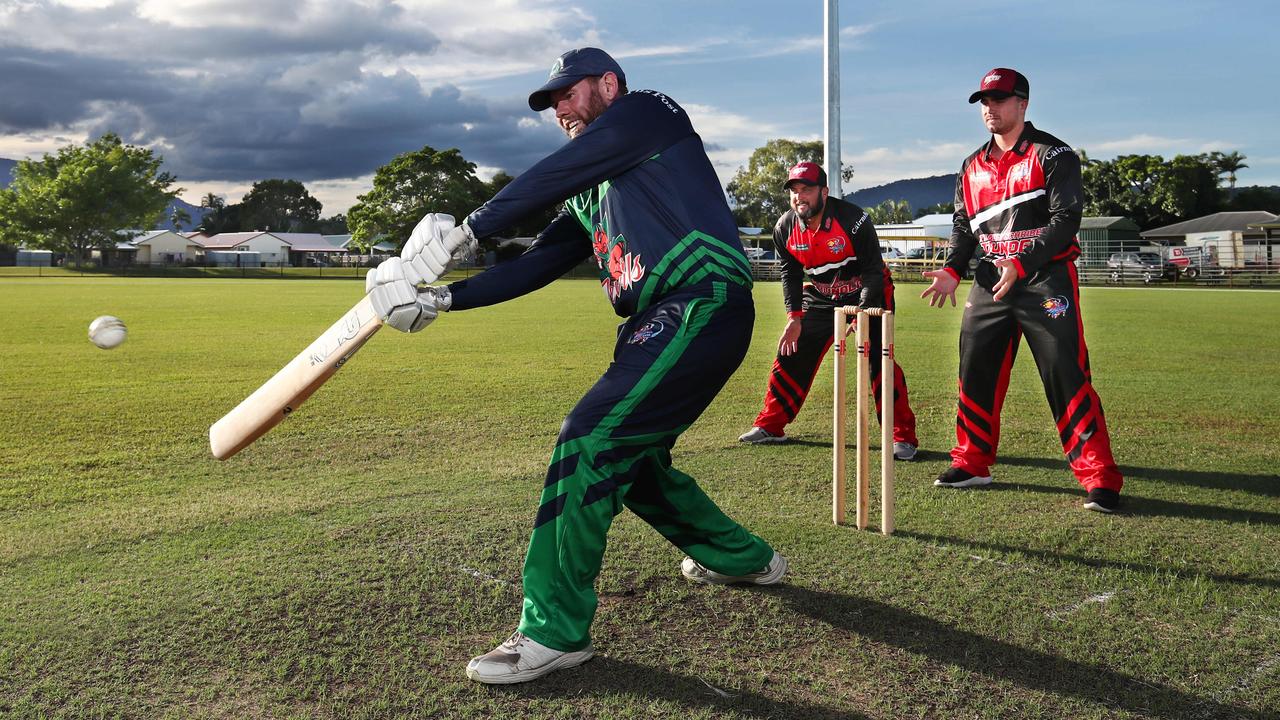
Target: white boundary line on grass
{"x": 1099, "y": 599}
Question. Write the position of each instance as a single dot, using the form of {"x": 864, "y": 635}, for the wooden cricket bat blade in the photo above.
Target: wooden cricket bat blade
{"x": 295, "y": 382}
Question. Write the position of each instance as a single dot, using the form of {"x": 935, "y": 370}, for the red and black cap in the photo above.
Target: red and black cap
{"x": 809, "y": 173}
{"x": 571, "y": 67}
{"x": 1001, "y": 83}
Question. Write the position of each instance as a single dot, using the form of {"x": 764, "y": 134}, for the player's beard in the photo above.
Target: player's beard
{"x": 814, "y": 210}
{"x": 595, "y": 107}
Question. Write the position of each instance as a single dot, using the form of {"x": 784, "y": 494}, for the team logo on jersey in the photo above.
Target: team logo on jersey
{"x": 837, "y": 244}
{"x": 800, "y": 247}
{"x": 1021, "y": 171}
{"x": 647, "y": 331}
{"x": 619, "y": 269}
{"x": 1056, "y": 306}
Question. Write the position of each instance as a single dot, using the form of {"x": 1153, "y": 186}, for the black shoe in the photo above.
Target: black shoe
{"x": 954, "y": 477}
{"x": 1102, "y": 500}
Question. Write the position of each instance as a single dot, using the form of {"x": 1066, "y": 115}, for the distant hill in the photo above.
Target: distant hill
{"x": 196, "y": 212}
{"x": 6, "y": 171}
{"x": 918, "y": 192}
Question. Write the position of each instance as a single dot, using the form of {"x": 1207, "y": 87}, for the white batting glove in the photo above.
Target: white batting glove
{"x": 402, "y": 306}
{"x": 389, "y": 271}
{"x": 435, "y": 246}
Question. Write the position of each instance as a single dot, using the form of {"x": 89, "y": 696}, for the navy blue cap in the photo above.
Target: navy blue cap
{"x": 572, "y": 67}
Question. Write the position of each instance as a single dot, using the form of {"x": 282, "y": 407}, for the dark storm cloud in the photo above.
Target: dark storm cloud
{"x": 287, "y": 98}
{"x": 250, "y": 125}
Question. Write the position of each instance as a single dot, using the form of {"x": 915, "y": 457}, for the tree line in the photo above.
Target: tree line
{"x": 1145, "y": 188}
{"x": 80, "y": 197}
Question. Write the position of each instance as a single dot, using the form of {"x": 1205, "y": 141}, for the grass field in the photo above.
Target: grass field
{"x": 348, "y": 564}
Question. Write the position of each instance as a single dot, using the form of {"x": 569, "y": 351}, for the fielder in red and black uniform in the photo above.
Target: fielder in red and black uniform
{"x": 834, "y": 243}
{"x": 1018, "y": 207}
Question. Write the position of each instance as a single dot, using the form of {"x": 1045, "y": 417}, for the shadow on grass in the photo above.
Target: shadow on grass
{"x": 1099, "y": 563}
{"x": 1024, "y": 667}
{"x": 923, "y": 636}
{"x": 1268, "y": 485}
{"x": 604, "y": 677}
{"x": 1139, "y": 506}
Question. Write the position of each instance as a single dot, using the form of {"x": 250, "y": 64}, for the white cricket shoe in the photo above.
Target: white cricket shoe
{"x": 521, "y": 659}
{"x": 760, "y": 436}
{"x": 904, "y": 451}
{"x": 770, "y": 574}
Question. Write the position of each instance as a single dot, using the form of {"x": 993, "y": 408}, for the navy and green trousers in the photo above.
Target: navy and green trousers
{"x": 614, "y": 451}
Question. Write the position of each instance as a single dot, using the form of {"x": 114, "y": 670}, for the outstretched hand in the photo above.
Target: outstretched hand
{"x": 943, "y": 286}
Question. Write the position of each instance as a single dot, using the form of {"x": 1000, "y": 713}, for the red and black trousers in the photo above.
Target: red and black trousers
{"x": 1045, "y": 308}
{"x": 792, "y": 375}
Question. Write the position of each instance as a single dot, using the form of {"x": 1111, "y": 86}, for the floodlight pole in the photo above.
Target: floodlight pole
{"x": 831, "y": 97}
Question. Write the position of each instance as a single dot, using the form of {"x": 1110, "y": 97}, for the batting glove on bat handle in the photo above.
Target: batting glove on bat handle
{"x": 403, "y": 307}
{"x": 435, "y": 247}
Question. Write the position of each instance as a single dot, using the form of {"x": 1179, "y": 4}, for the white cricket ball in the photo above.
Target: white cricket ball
{"x": 107, "y": 332}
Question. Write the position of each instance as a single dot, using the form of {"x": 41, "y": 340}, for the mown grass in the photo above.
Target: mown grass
{"x": 349, "y": 563}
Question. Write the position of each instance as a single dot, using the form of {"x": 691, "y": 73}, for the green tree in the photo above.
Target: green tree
{"x": 223, "y": 218}
{"x": 179, "y": 217}
{"x": 944, "y": 208}
{"x": 280, "y": 205}
{"x": 336, "y": 225}
{"x": 80, "y": 197}
{"x": 890, "y": 212}
{"x": 1228, "y": 163}
{"x": 410, "y": 186}
{"x": 1150, "y": 190}
{"x": 756, "y": 190}
{"x": 214, "y": 202}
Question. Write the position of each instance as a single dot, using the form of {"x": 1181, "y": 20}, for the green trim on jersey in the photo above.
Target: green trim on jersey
{"x": 695, "y": 258}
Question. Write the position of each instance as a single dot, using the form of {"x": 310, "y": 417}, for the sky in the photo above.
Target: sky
{"x": 325, "y": 91}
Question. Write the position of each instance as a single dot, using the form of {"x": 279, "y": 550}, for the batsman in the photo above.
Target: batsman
{"x": 640, "y": 196}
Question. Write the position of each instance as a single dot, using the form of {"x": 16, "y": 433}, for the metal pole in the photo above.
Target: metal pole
{"x": 831, "y": 96}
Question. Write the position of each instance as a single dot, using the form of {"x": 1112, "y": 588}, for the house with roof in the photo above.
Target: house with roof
{"x": 162, "y": 247}
{"x": 265, "y": 247}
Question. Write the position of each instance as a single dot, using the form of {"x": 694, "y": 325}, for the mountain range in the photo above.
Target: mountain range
{"x": 918, "y": 192}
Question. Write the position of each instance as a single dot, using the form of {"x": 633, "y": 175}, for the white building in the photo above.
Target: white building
{"x": 164, "y": 247}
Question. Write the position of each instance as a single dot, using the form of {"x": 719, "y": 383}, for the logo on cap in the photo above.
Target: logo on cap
{"x": 556, "y": 67}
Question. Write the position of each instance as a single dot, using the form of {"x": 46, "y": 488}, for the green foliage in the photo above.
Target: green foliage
{"x": 410, "y": 186}
{"x": 78, "y": 198}
{"x": 280, "y": 205}
{"x": 1228, "y": 164}
{"x": 891, "y": 211}
{"x": 944, "y": 208}
{"x": 756, "y": 191}
{"x": 1150, "y": 190}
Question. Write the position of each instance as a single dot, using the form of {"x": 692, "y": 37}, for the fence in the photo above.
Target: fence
{"x": 1093, "y": 272}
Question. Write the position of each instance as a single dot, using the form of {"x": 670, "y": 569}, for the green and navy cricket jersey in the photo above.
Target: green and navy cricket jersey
{"x": 639, "y": 194}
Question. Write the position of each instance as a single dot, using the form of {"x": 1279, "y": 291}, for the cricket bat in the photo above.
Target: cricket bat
{"x": 287, "y": 389}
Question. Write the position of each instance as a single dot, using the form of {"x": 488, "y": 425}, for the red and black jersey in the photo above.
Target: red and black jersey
{"x": 1025, "y": 205}
{"x": 841, "y": 258}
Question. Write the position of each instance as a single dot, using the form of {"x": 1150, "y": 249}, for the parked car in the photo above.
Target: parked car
{"x": 888, "y": 252}
{"x": 1148, "y": 266}
{"x": 924, "y": 253}
{"x": 756, "y": 253}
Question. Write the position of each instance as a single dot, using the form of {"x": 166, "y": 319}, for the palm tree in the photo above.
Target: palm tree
{"x": 1229, "y": 163}
{"x": 179, "y": 217}
{"x": 212, "y": 201}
